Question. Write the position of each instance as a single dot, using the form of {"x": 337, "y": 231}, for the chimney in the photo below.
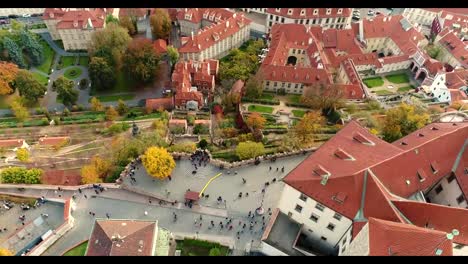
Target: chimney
{"x": 192, "y": 35}
{"x": 361, "y": 31}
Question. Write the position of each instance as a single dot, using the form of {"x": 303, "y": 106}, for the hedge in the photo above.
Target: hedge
{"x": 296, "y": 105}
{"x": 260, "y": 101}
{"x": 21, "y": 175}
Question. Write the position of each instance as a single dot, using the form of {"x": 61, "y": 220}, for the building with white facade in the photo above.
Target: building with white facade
{"x": 212, "y": 32}
{"x": 355, "y": 176}
{"x": 20, "y": 11}
{"x": 449, "y": 86}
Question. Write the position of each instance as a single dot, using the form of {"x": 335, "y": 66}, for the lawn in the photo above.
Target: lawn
{"x": 294, "y": 98}
{"x": 298, "y": 113}
{"x": 373, "y": 82}
{"x": 114, "y": 98}
{"x": 383, "y": 92}
{"x": 406, "y": 89}
{"x": 79, "y": 250}
{"x": 41, "y": 78}
{"x": 67, "y": 61}
{"x": 73, "y": 73}
{"x": 261, "y": 109}
{"x": 267, "y": 96}
{"x": 84, "y": 61}
{"x": 49, "y": 58}
{"x": 398, "y": 78}
{"x": 192, "y": 247}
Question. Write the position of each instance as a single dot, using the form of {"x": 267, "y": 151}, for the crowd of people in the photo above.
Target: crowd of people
{"x": 198, "y": 158}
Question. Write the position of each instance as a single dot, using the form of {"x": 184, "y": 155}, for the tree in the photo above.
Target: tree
{"x": 96, "y": 105}
{"x": 111, "y": 113}
{"x": 249, "y": 149}
{"x": 5, "y": 252}
{"x": 308, "y": 126}
{"x": 21, "y": 113}
{"x": 111, "y": 19}
{"x": 433, "y": 51}
{"x": 28, "y": 86}
{"x": 215, "y": 252}
{"x": 203, "y": 144}
{"x": 22, "y": 154}
{"x": 200, "y": 129}
{"x": 65, "y": 91}
{"x": 256, "y": 121}
{"x": 122, "y": 108}
{"x": 33, "y": 48}
{"x": 403, "y": 120}
{"x": 110, "y": 43}
{"x": 101, "y": 73}
{"x": 254, "y": 86}
{"x": 160, "y": 24}
{"x": 16, "y": 25}
{"x": 101, "y": 165}
{"x": 14, "y": 52}
{"x": 89, "y": 175}
{"x": 160, "y": 126}
{"x": 158, "y": 162}
{"x": 289, "y": 142}
{"x": 229, "y": 101}
{"x": 127, "y": 22}
{"x": 173, "y": 55}
{"x": 8, "y": 72}
{"x": 21, "y": 175}
{"x": 323, "y": 96}
{"x": 141, "y": 60}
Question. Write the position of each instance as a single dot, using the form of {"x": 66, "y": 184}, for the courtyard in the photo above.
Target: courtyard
{"x": 391, "y": 84}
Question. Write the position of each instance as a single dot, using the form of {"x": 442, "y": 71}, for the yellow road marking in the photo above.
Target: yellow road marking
{"x": 206, "y": 185}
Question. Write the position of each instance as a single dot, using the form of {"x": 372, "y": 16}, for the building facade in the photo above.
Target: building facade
{"x": 20, "y": 11}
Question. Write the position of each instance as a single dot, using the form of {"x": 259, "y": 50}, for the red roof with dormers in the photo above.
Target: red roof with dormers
{"x": 77, "y": 18}
{"x": 196, "y": 15}
{"x": 454, "y": 46}
{"x": 453, "y": 21}
{"x": 307, "y": 13}
{"x": 388, "y": 238}
{"x": 216, "y": 32}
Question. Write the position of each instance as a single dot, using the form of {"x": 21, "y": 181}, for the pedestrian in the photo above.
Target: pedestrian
{"x": 270, "y": 168}
{"x": 240, "y": 222}
{"x": 274, "y": 180}
{"x": 146, "y": 213}
{"x": 263, "y": 190}
{"x": 96, "y": 191}
{"x": 263, "y": 217}
{"x": 282, "y": 169}
{"x": 107, "y": 215}
{"x": 149, "y": 200}
{"x": 277, "y": 168}
{"x": 240, "y": 195}
{"x": 85, "y": 196}
{"x": 243, "y": 180}
{"x": 249, "y": 213}
{"x": 79, "y": 190}
{"x": 201, "y": 217}
{"x": 170, "y": 178}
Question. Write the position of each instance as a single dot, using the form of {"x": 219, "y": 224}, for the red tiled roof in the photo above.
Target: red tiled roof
{"x": 309, "y": 12}
{"x": 196, "y": 15}
{"x": 166, "y": 103}
{"x": 213, "y": 33}
{"x": 433, "y": 66}
{"x": 357, "y": 226}
{"x": 453, "y": 21}
{"x": 136, "y": 238}
{"x": 451, "y": 10}
{"x": 77, "y": 19}
{"x": 202, "y": 122}
{"x": 178, "y": 122}
{"x": 456, "y": 79}
{"x": 15, "y": 143}
{"x": 457, "y": 95}
{"x": 160, "y": 46}
{"x": 396, "y": 239}
{"x": 139, "y": 12}
{"x": 52, "y": 140}
{"x": 454, "y": 46}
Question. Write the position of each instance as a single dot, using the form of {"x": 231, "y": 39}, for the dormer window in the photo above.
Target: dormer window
{"x": 303, "y": 12}
{"x": 434, "y": 128}
{"x": 328, "y": 11}
{"x": 315, "y": 11}
{"x": 290, "y": 11}
{"x": 420, "y": 135}
{"x": 340, "y": 10}
{"x": 362, "y": 139}
{"x": 421, "y": 175}
{"x": 341, "y": 154}
{"x": 188, "y": 16}
{"x": 278, "y": 10}
{"x": 434, "y": 167}
{"x": 320, "y": 171}
{"x": 404, "y": 143}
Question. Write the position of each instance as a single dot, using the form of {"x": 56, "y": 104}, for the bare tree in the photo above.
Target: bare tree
{"x": 323, "y": 96}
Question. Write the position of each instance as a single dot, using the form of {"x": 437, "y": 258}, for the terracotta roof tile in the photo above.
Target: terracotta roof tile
{"x": 160, "y": 46}
{"x": 16, "y": 143}
{"x": 52, "y": 140}
{"x": 309, "y": 12}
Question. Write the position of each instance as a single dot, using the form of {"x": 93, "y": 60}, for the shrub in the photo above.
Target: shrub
{"x": 56, "y": 121}
{"x": 22, "y": 154}
{"x": 203, "y": 144}
{"x": 229, "y": 132}
{"x": 116, "y": 129}
{"x": 249, "y": 149}
{"x": 84, "y": 83}
{"x": 187, "y": 147}
{"x": 80, "y": 107}
{"x": 201, "y": 129}
{"x": 21, "y": 175}
{"x": 66, "y": 112}
{"x": 44, "y": 121}
{"x": 190, "y": 120}
{"x": 261, "y": 101}
{"x": 373, "y": 105}
{"x": 40, "y": 110}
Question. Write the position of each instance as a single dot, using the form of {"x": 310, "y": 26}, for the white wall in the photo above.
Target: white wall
{"x": 360, "y": 244}
{"x": 439, "y": 89}
{"x": 448, "y": 196}
{"x": 419, "y": 15}
{"x": 460, "y": 252}
{"x": 271, "y": 251}
{"x": 20, "y": 11}
{"x": 289, "y": 200}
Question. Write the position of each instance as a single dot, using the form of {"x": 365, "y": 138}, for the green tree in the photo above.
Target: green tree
{"x": 111, "y": 113}
{"x": 111, "y": 19}
{"x": 160, "y": 24}
{"x": 16, "y": 25}
{"x": 128, "y": 23}
{"x": 33, "y": 48}
{"x": 173, "y": 55}
{"x": 21, "y": 175}
{"x": 309, "y": 125}
{"x": 215, "y": 252}
{"x": 110, "y": 43}
{"x": 122, "y": 108}
{"x": 203, "y": 144}
{"x": 158, "y": 162}
{"x": 21, "y": 113}
{"x": 96, "y": 105}
{"x": 200, "y": 129}
{"x": 65, "y": 91}
{"x": 102, "y": 74}
{"x": 403, "y": 120}
{"x": 14, "y": 52}
{"x": 29, "y": 87}
{"x": 254, "y": 86}
{"x": 249, "y": 149}
{"x": 141, "y": 60}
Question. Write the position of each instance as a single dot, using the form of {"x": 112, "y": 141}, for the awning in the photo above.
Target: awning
{"x": 193, "y": 196}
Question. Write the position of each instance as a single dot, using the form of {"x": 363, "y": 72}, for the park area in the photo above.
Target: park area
{"x": 192, "y": 247}
{"x": 390, "y": 84}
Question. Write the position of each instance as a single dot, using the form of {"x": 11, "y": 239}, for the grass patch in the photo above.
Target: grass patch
{"x": 84, "y": 61}
{"x": 67, "y": 61}
{"x": 49, "y": 54}
{"x": 73, "y": 73}
{"x": 383, "y": 92}
{"x": 79, "y": 250}
{"x": 294, "y": 98}
{"x": 17, "y": 199}
{"x": 405, "y": 89}
{"x": 113, "y": 98}
{"x": 373, "y": 82}
{"x": 397, "y": 78}
{"x": 261, "y": 109}
{"x": 192, "y": 247}
{"x": 298, "y": 113}
{"x": 267, "y": 96}
{"x": 123, "y": 84}
{"x": 141, "y": 116}
{"x": 229, "y": 155}
{"x": 41, "y": 78}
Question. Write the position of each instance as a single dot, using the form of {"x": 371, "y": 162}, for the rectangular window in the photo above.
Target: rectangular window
{"x": 297, "y": 85}
{"x": 303, "y": 197}
{"x": 331, "y": 227}
{"x": 276, "y": 84}
{"x": 298, "y": 208}
{"x": 289, "y": 85}
{"x": 277, "y": 19}
{"x": 451, "y": 178}
{"x": 459, "y": 246}
{"x": 320, "y": 207}
{"x": 328, "y": 20}
{"x": 282, "y": 20}
{"x": 289, "y": 214}
{"x": 344, "y": 241}
{"x": 460, "y": 199}
{"x": 314, "y": 217}
{"x": 268, "y": 83}
{"x": 438, "y": 189}
{"x": 323, "y": 238}
{"x": 308, "y": 21}
{"x": 337, "y": 216}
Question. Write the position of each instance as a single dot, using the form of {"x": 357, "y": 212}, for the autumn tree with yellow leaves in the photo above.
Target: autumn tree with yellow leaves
{"x": 158, "y": 162}
{"x": 309, "y": 125}
{"x": 5, "y": 252}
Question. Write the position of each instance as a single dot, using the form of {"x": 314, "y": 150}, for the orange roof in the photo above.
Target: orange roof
{"x": 177, "y": 122}
{"x": 388, "y": 238}
{"x": 52, "y": 140}
{"x": 202, "y": 122}
{"x": 77, "y": 19}
{"x": 309, "y": 12}
{"x": 11, "y": 143}
{"x": 454, "y": 46}
{"x": 160, "y": 46}
{"x": 166, "y": 103}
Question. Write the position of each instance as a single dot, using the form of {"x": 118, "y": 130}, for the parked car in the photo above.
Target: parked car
{"x": 26, "y": 15}
{"x": 36, "y": 15}
{"x": 4, "y": 21}
{"x": 356, "y": 17}
{"x": 13, "y": 16}
{"x": 370, "y": 12}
